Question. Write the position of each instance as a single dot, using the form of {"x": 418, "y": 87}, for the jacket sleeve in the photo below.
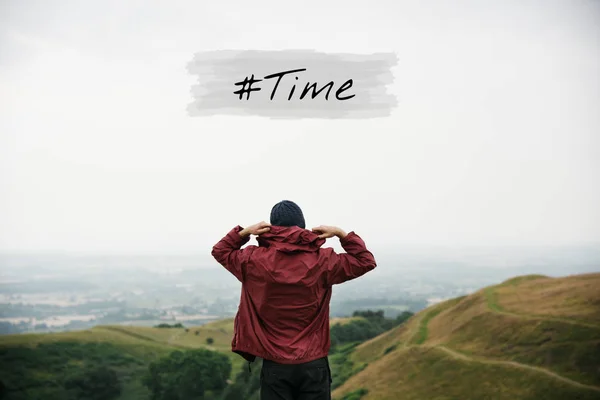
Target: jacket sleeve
{"x": 356, "y": 262}
{"x": 229, "y": 253}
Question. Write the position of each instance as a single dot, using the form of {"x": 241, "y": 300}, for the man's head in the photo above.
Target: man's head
{"x": 287, "y": 213}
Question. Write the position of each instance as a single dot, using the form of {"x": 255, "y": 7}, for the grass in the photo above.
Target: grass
{"x": 516, "y": 281}
{"x": 142, "y": 343}
{"x": 147, "y": 344}
{"x": 416, "y": 373}
{"x": 490, "y": 344}
{"x": 567, "y": 349}
{"x": 574, "y": 298}
{"x": 40, "y": 371}
{"x": 421, "y": 335}
{"x": 414, "y": 329}
{"x": 343, "y": 320}
{"x": 484, "y": 336}
{"x": 342, "y": 367}
{"x": 372, "y": 349}
{"x": 356, "y": 394}
{"x": 490, "y": 297}
{"x": 390, "y": 349}
{"x": 222, "y": 325}
{"x": 423, "y": 331}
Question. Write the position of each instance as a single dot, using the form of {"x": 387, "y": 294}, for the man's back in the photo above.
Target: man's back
{"x": 286, "y": 289}
{"x": 283, "y": 316}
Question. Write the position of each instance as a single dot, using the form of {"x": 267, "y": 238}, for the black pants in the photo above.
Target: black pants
{"x": 307, "y": 381}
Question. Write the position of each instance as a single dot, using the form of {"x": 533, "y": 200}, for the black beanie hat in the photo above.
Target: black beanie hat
{"x": 287, "y": 213}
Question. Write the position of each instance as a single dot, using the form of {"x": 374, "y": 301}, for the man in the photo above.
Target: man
{"x": 283, "y": 316}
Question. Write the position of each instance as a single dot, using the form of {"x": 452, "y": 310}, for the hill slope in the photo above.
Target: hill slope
{"x": 33, "y": 365}
{"x": 529, "y": 337}
{"x": 30, "y": 362}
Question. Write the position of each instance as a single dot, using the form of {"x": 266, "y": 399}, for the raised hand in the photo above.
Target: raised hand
{"x": 326, "y": 232}
{"x": 256, "y": 229}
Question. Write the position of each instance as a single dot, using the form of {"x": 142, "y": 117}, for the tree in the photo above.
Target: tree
{"x": 370, "y": 324}
{"x": 164, "y": 325}
{"x": 210, "y": 340}
{"x": 234, "y": 392}
{"x": 94, "y": 383}
{"x": 188, "y": 375}
{"x": 246, "y": 384}
{"x": 369, "y": 314}
{"x": 403, "y": 317}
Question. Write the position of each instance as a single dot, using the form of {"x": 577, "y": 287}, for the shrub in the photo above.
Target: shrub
{"x": 188, "y": 375}
{"x": 356, "y": 394}
{"x": 99, "y": 383}
{"x": 390, "y": 349}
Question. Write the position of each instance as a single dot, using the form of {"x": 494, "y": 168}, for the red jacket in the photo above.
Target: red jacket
{"x": 283, "y": 314}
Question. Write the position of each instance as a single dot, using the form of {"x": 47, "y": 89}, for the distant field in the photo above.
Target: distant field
{"x": 342, "y": 320}
{"x": 531, "y": 337}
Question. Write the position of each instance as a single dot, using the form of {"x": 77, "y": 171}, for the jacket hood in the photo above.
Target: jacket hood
{"x": 290, "y": 239}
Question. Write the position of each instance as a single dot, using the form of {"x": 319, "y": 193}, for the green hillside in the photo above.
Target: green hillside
{"x": 38, "y": 365}
{"x": 126, "y": 349}
{"x": 531, "y": 337}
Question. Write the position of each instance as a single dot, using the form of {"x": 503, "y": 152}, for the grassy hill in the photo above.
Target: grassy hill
{"x": 531, "y": 337}
{"x": 48, "y": 358}
{"x": 127, "y": 349}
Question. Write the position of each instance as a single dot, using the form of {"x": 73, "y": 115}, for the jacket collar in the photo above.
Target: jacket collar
{"x": 290, "y": 239}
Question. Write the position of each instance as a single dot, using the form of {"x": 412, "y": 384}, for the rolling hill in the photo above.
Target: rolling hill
{"x": 30, "y": 361}
{"x": 531, "y": 337}
{"x": 127, "y": 349}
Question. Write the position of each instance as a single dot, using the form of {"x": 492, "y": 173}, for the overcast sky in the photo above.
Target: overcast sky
{"x": 495, "y": 139}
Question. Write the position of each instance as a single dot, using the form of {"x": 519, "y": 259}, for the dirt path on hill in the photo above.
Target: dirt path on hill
{"x": 493, "y": 306}
{"x": 515, "y": 364}
{"x": 545, "y": 318}
{"x": 413, "y": 331}
{"x": 141, "y": 337}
